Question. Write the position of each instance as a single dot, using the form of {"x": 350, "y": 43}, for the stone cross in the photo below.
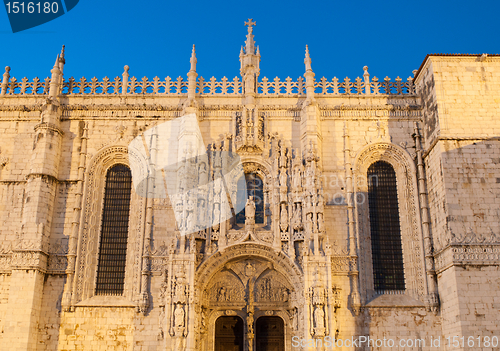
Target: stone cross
{"x": 250, "y": 23}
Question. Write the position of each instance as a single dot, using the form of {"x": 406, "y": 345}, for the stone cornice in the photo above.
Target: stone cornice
{"x": 29, "y": 259}
{"x": 467, "y": 254}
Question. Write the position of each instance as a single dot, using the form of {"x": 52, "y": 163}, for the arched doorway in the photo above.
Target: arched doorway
{"x": 270, "y": 334}
{"x": 249, "y": 269}
{"x": 229, "y": 333}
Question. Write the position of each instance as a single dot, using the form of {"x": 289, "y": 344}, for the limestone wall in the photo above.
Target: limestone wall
{"x": 4, "y": 300}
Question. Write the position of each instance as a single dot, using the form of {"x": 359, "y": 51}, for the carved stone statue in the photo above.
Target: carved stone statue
{"x": 283, "y": 178}
{"x": 249, "y": 270}
{"x": 216, "y": 215}
{"x": 321, "y": 224}
{"x": 284, "y": 218}
{"x": 284, "y": 295}
{"x": 250, "y": 209}
{"x": 296, "y": 219}
{"x": 319, "y": 318}
{"x": 297, "y": 178}
{"x": 309, "y": 223}
{"x": 282, "y": 159}
{"x": 179, "y": 316}
{"x": 189, "y": 223}
{"x": 222, "y": 294}
{"x": 180, "y": 288}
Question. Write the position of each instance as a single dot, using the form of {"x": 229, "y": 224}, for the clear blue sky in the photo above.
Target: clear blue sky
{"x": 155, "y": 37}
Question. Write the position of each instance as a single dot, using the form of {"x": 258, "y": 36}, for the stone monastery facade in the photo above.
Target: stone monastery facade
{"x": 374, "y": 211}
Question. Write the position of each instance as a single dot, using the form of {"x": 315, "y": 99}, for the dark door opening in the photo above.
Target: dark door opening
{"x": 229, "y": 334}
{"x": 270, "y": 334}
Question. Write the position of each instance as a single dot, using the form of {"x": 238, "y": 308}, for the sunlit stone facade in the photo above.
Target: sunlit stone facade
{"x": 324, "y": 249}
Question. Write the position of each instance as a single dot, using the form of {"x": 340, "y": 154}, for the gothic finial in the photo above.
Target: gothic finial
{"x": 61, "y": 56}
{"x": 56, "y": 64}
{"x": 62, "y": 61}
{"x": 366, "y": 77}
{"x": 193, "y": 59}
{"x": 55, "y": 80}
{"x": 258, "y": 51}
{"x": 5, "y": 80}
{"x": 307, "y": 60}
{"x": 241, "y": 51}
{"x": 125, "y": 76}
{"x": 250, "y": 44}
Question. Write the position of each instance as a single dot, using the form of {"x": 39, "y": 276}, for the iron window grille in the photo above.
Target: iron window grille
{"x": 387, "y": 253}
{"x": 114, "y": 232}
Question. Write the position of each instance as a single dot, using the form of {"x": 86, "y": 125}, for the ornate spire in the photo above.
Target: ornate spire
{"x": 249, "y": 59}
{"x": 193, "y": 60}
{"x": 250, "y": 44}
{"x": 307, "y": 60}
{"x": 192, "y": 75}
{"x": 55, "y": 79}
{"x": 62, "y": 61}
{"x": 61, "y": 57}
{"x": 56, "y": 64}
{"x": 309, "y": 75}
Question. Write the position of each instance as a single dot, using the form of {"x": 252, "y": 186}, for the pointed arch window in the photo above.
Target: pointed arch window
{"x": 114, "y": 231}
{"x": 255, "y": 188}
{"x": 385, "y": 229}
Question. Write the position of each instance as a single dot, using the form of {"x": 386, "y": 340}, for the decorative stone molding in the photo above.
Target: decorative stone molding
{"x": 469, "y": 237}
{"x": 29, "y": 260}
{"x": 48, "y": 127}
{"x": 36, "y": 107}
{"x": 5, "y": 263}
{"x": 341, "y": 264}
{"x": 474, "y": 254}
{"x": 57, "y": 260}
{"x": 57, "y": 264}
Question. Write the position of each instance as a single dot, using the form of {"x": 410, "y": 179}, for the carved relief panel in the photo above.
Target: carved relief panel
{"x": 225, "y": 288}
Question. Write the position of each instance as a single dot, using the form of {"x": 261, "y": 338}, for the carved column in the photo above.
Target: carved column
{"x": 143, "y": 298}
{"x": 67, "y": 300}
{"x": 432, "y": 299}
{"x": 355, "y": 300}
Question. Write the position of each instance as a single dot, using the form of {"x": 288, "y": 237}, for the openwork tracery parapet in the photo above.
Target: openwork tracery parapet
{"x": 212, "y": 87}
